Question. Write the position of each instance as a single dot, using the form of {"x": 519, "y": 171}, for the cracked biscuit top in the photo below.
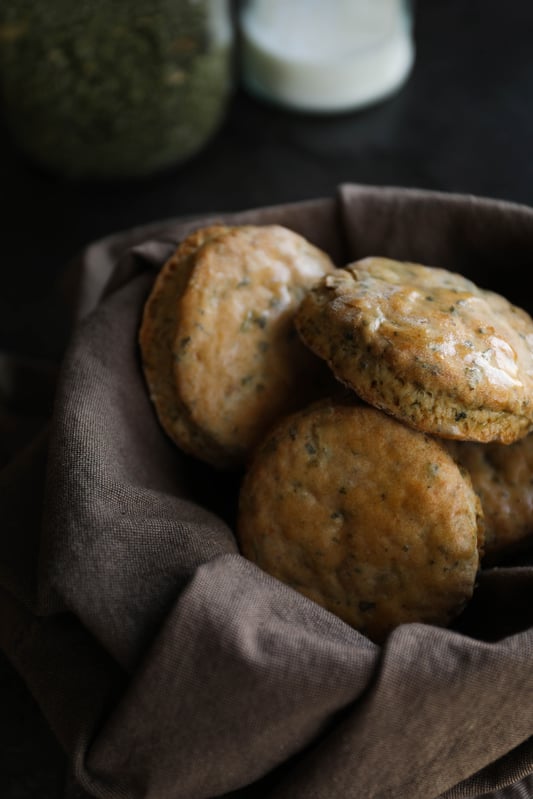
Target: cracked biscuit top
{"x": 427, "y": 346}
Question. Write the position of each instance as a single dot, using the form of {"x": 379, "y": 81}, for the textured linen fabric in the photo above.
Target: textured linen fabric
{"x": 167, "y": 665}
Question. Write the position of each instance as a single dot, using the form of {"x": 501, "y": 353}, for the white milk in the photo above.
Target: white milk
{"x": 325, "y": 55}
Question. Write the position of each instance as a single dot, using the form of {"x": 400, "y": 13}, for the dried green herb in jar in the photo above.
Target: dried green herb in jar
{"x": 122, "y": 89}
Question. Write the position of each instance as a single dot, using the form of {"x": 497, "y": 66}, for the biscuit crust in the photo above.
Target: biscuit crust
{"x": 367, "y": 517}
{"x": 502, "y": 476}
{"x": 238, "y": 361}
{"x": 156, "y": 341}
{"x": 427, "y": 346}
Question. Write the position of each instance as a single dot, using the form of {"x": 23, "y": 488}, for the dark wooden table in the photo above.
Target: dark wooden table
{"x": 462, "y": 123}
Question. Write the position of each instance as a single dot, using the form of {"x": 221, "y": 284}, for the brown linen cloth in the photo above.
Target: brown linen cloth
{"x": 168, "y": 666}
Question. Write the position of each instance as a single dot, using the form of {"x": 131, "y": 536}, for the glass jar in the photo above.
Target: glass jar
{"x": 100, "y": 89}
{"x": 329, "y": 56}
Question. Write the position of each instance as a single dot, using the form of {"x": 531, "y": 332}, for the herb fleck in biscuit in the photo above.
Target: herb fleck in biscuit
{"x": 369, "y": 518}
{"x": 502, "y": 476}
{"x": 220, "y": 353}
{"x": 427, "y": 346}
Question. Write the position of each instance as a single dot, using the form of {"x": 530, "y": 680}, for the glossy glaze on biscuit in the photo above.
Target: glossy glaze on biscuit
{"x": 362, "y": 514}
{"x": 238, "y": 361}
{"x": 502, "y": 476}
{"x": 427, "y": 346}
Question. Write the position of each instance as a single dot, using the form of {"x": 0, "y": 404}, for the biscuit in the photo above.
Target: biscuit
{"x": 156, "y": 341}
{"x": 502, "y": 476}
{"x": 427, "y": 346}
{"x": 364, "y": 515}
{"x": 238, "y": 362}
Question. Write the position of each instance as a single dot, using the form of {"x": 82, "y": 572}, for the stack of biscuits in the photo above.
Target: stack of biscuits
{"x": 380, "y": 414}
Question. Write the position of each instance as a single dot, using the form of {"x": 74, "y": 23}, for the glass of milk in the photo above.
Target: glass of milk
{"x": 325, "y": 55}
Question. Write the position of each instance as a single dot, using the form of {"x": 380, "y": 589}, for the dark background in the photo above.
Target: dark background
{"x": 462, "y": 123}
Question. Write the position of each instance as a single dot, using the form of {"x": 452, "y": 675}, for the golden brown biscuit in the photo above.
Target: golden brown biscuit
{"x": 427, "y": 346}
{"x": 502, "y": 476}
{"x": 367, "y": 517}
{"x": 238, "y": 361}
{"x": 156, "y": 340}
